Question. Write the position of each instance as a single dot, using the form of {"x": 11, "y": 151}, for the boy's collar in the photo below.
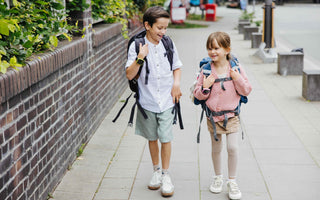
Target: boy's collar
{"x": 146, "y": 38}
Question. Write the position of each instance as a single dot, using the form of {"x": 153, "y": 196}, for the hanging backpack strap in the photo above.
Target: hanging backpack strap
{"x": 179, "y": 116}
{"x": 176, "y": 110}
{"x": 142, "y": 110}
{"x": 242, "y": 134}
{"x": 214, "y": 127}
{"x": 130, "y": 123}
{"x": 124, "y": 105}
{"x": 147, "y": 71}
{"x": 168, "y": 45}
{"x": 198, "y": 135}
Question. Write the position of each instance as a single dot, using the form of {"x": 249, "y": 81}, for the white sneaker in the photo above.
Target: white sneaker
{"x": 234, "y": 191}
{"x": 155, "y": 181}
{"x": 216, "y": 185}
{"x": 167, "y": 188}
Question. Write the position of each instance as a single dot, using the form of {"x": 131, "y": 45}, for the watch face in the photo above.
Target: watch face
{"x": 140, "y": 61}
{"x": 206, "y": 91}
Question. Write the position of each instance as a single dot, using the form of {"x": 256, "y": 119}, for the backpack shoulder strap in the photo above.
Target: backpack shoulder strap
{"x": 234, "y": 63}
{"x": 141, "y": 34}
{"x": 168, "y": 45}
{"x": 206, "y": 66}
{"x": 139, "y": 38}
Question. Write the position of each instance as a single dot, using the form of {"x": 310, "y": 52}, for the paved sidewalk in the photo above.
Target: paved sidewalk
{"x": 279, "y": 156}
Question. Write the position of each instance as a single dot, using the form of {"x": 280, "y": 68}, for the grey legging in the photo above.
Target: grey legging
{"x": 232, "y": 148}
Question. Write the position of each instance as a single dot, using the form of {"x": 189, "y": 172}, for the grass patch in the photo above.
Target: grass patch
{"x": 187, "y": 25}
{"x": 196, "y": 17}
{"x": 80, "y": 150}
{"x": 193, "y": 16}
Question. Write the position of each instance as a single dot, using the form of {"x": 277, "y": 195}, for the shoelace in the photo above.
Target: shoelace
{"x": 217, "y": 182}
{"x": 234, "y": 187}
{"x": 166, "y": 180}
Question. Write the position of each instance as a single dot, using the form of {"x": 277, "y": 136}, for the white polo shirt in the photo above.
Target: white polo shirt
{"x": 156, "y": 95}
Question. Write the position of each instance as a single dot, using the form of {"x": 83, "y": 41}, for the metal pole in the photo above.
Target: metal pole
{"x": 253, "y": 6}
{"x": 268, "y": 31}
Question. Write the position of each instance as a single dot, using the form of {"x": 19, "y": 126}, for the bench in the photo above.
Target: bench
{"x": 241, "y": 26}
{"x": 256, "y": 39}
{"x": 248, "y": 30}
{"x": 311, "y": 85}
{"x": 290, "y": 63}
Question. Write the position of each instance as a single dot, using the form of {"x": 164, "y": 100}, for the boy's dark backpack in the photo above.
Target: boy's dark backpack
{"x": 133, "y": 84}
{"x": 205, "y": 66}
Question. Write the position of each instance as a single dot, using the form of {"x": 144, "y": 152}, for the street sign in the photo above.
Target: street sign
{"x": 178, "y": 12}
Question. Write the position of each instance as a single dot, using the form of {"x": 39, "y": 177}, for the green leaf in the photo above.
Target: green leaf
{"x": 4, "y": 65}
{"x": 67, "y": 36}
{"x": 57, "y": 6}
{"x": 28, "y": 44}
{"x": 11, "y": 27}
{"x": 53, "y": 40}
{"x": 14, "y": 63}
{"x": 15, "y": 3}
{"x": 4, "y": 29}
{"x": 2, "y": 51}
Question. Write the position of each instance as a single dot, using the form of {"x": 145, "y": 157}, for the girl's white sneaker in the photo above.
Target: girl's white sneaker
{"x": 234, "y": 191}
{"x": 216, "y": 185}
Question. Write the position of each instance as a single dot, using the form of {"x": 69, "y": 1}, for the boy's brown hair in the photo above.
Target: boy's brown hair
{"x": 153, "y": 13}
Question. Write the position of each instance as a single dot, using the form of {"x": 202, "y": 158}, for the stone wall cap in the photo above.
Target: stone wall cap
{"x": 251, "y": 27}
{"x": 311, "y": 71}
{"x": 290, "y": 53}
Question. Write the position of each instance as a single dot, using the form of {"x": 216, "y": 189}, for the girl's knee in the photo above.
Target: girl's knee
{"x": 232, "y": 149}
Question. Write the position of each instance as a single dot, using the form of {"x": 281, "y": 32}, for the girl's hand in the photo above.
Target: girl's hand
{"x": 208, "y": 81}
{"x": 235, "y": 75}
{"x": 143, "y": 51}
{"x": 176, "y": 93}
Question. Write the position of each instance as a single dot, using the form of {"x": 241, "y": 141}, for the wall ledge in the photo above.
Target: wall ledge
{"x": 103, "y": 32}
{"x": 14, "y": 82}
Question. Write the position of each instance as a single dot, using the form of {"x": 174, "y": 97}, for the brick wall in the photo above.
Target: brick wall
{"x": 53, "y": 105}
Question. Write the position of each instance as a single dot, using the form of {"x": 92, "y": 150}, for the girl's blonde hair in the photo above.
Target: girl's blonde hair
{"x": 223, "y": 40}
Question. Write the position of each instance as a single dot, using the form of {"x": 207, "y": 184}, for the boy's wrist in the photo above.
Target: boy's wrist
{"x": 139, "y": 61}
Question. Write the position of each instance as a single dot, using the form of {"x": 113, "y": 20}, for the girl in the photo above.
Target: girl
{"x": 221, "y": 97}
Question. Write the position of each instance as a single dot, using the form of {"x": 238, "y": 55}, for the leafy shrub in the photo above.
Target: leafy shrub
{"x": 33, "y": 26}
{"x": 29, "y": 27}
{"x": 246, "y": 15}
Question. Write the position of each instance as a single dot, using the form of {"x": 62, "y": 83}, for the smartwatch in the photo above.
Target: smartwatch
{"x": 139, "y": 61}
{"x": 205, "y": 90}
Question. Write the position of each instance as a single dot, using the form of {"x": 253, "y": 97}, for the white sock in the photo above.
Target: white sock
{"x": 232, "y": 180}
{"x": 165, "y": 171}
{"x": 156, "y": 167}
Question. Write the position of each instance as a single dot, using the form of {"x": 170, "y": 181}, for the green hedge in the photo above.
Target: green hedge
{"x": 29, "y": 27}
{"x": 34, "y": 26}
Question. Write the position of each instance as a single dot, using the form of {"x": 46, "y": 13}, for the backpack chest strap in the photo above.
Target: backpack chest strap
{"x": 222, "y": 80}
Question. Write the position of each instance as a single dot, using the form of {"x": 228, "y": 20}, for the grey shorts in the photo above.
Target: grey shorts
{"x": 157, "y": 126}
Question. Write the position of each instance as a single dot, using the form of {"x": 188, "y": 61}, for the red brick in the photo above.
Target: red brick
{"x": 21, "y": 123}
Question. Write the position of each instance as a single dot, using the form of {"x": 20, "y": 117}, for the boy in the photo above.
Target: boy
{"x": 158, "y": 96}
